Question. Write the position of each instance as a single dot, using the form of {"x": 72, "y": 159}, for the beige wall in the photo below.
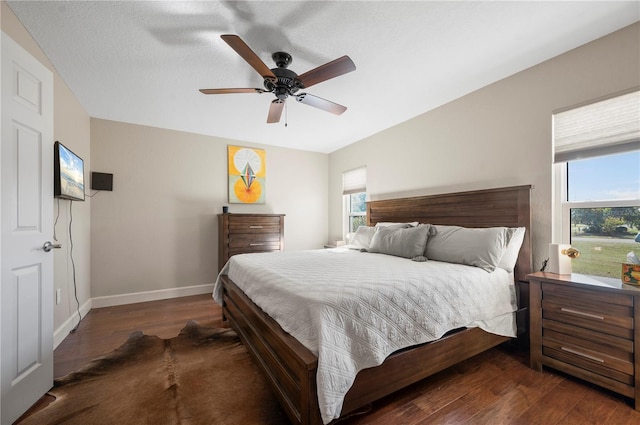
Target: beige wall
{"x": 71, "y": 127}
{"x": 499, "y": 135}
{"x": 158, "y": 228}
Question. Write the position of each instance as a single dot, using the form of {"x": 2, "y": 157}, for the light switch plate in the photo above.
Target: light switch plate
{"x": 58, "y": 295}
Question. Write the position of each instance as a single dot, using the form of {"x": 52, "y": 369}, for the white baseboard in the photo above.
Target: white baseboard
{"x": 137, "y": 297}
{"x": 161, "y": 294}
{"x": 61, "y": 333}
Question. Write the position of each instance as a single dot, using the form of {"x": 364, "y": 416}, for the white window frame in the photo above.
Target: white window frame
{"x": 561, "y": 231}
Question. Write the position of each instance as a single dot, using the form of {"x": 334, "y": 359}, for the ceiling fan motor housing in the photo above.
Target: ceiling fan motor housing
{"x": 287, "y": 82}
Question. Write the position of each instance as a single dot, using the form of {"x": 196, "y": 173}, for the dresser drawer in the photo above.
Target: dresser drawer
{"x": 254, "y": 225}
{"x": 255, "y": 242}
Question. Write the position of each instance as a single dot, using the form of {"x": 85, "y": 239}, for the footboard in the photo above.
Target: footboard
{"x": 289, "y": 366}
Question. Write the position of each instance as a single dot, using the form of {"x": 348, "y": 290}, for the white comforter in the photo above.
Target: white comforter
{"x": 353, "y": 309}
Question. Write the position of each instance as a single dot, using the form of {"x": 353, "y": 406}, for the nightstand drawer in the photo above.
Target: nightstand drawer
{"x": 586, "y": 361}
{"x": 595, "y": 311}
{"x": 589, "y": 354}
{"x": 586, "y": 318}
{"x": 619, "y": 343}
{"x": 586, "y": 296}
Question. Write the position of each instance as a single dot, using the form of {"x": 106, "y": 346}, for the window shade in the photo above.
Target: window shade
{"x": 601, "y": 128}
{"x": 354, "y": 181}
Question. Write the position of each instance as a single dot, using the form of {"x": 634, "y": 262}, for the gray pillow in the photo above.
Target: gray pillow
{"x": 510, "y": 257}
{"x": 362, "y": 238}
{"x": 432, "y": 229}
{"x": 480, "y": 247}
{"x": 408, "y": 242}
{"x": 396, "y": 225}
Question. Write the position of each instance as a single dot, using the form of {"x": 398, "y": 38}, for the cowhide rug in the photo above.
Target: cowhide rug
{"x": 202, "y": 376}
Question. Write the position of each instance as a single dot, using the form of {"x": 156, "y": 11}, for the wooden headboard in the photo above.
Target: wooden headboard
{"x": 507, "y": 206}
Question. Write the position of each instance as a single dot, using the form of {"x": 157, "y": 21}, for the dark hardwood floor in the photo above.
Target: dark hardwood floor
{"x": 105, "y": 329}
{"x": 496, "y": 387}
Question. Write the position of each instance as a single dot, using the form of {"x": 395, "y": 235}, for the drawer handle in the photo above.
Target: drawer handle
{"x": 256, "y": 227}
{"x": 578, "y": 353}
{"x": 256, "y": 244}
{"x": 581, "y": 313}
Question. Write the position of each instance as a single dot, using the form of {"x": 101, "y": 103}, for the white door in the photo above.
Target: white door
{"x": 26, "y": 216}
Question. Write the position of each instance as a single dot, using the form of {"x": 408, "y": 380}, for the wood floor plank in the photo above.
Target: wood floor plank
{"x": 555, "y": 405}
{"x": 586, "y": 413}
{"x": 624, "y": 416}
{"x": 458, "y": 385}
{"x": 492, "y": 399}
{"x": 526, "y": 388}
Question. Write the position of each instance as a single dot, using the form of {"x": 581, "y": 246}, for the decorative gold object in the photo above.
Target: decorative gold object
{"x": 571, "y": 252}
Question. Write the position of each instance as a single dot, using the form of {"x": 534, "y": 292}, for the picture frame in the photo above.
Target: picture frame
{"x": 247, "y": 175}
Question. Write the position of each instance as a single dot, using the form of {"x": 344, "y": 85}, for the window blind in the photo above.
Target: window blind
{"x": 354, "y": 181}
{"x": 601, "y": 128}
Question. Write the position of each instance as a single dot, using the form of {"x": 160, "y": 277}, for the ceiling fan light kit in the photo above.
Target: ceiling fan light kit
{"x": 283, "y": 82}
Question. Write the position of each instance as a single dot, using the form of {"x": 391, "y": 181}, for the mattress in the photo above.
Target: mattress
{"x": 353, "y": 309}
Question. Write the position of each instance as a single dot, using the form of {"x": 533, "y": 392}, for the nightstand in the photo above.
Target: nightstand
{"x": 587, "y": 328}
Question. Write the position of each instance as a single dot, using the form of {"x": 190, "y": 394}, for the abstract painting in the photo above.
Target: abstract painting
{"x": 247, "y": 175}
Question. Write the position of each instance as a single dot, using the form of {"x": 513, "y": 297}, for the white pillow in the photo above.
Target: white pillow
{"x": 510, "y": 257}
{"x": 406, "y": 242}
{"x": 362, "y": 238}
{"x": 479, "y": 247}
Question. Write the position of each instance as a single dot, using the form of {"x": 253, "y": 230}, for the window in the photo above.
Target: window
{"x": 354, "y": 191}
{"x": 597, "y": 182}
{"x": 357, "y": 214}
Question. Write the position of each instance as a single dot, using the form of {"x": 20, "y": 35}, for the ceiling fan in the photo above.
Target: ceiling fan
{"x": 283, "y": 82}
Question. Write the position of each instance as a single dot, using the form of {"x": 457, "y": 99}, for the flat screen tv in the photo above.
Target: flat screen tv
{"x": 68, "y": 174}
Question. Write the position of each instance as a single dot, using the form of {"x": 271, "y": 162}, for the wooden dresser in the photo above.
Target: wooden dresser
{"x": 245, "y": 233}
{"x": 588, "y": 329}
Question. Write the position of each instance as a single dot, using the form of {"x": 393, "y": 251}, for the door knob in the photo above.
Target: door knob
{"x": 48, "y": 246}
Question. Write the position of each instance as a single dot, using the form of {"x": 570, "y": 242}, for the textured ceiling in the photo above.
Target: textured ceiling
{"x": 143, "y": 62}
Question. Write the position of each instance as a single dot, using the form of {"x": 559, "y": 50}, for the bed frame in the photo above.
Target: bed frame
{"x": 291, "y": 367}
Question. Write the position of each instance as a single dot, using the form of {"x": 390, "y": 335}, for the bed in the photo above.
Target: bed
{"x": 292, "y": 368}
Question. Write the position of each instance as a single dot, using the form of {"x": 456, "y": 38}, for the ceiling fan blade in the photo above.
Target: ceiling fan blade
{"x": 275, "y": 111}
{"x": 248, "y": 55}
{"x": 327, "y": 71}
{"x": 318, "y": 102}
{"x": 228, "y": 91}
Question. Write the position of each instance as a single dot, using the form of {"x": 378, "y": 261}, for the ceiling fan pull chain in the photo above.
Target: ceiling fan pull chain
{"x": 286, "y": 113}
